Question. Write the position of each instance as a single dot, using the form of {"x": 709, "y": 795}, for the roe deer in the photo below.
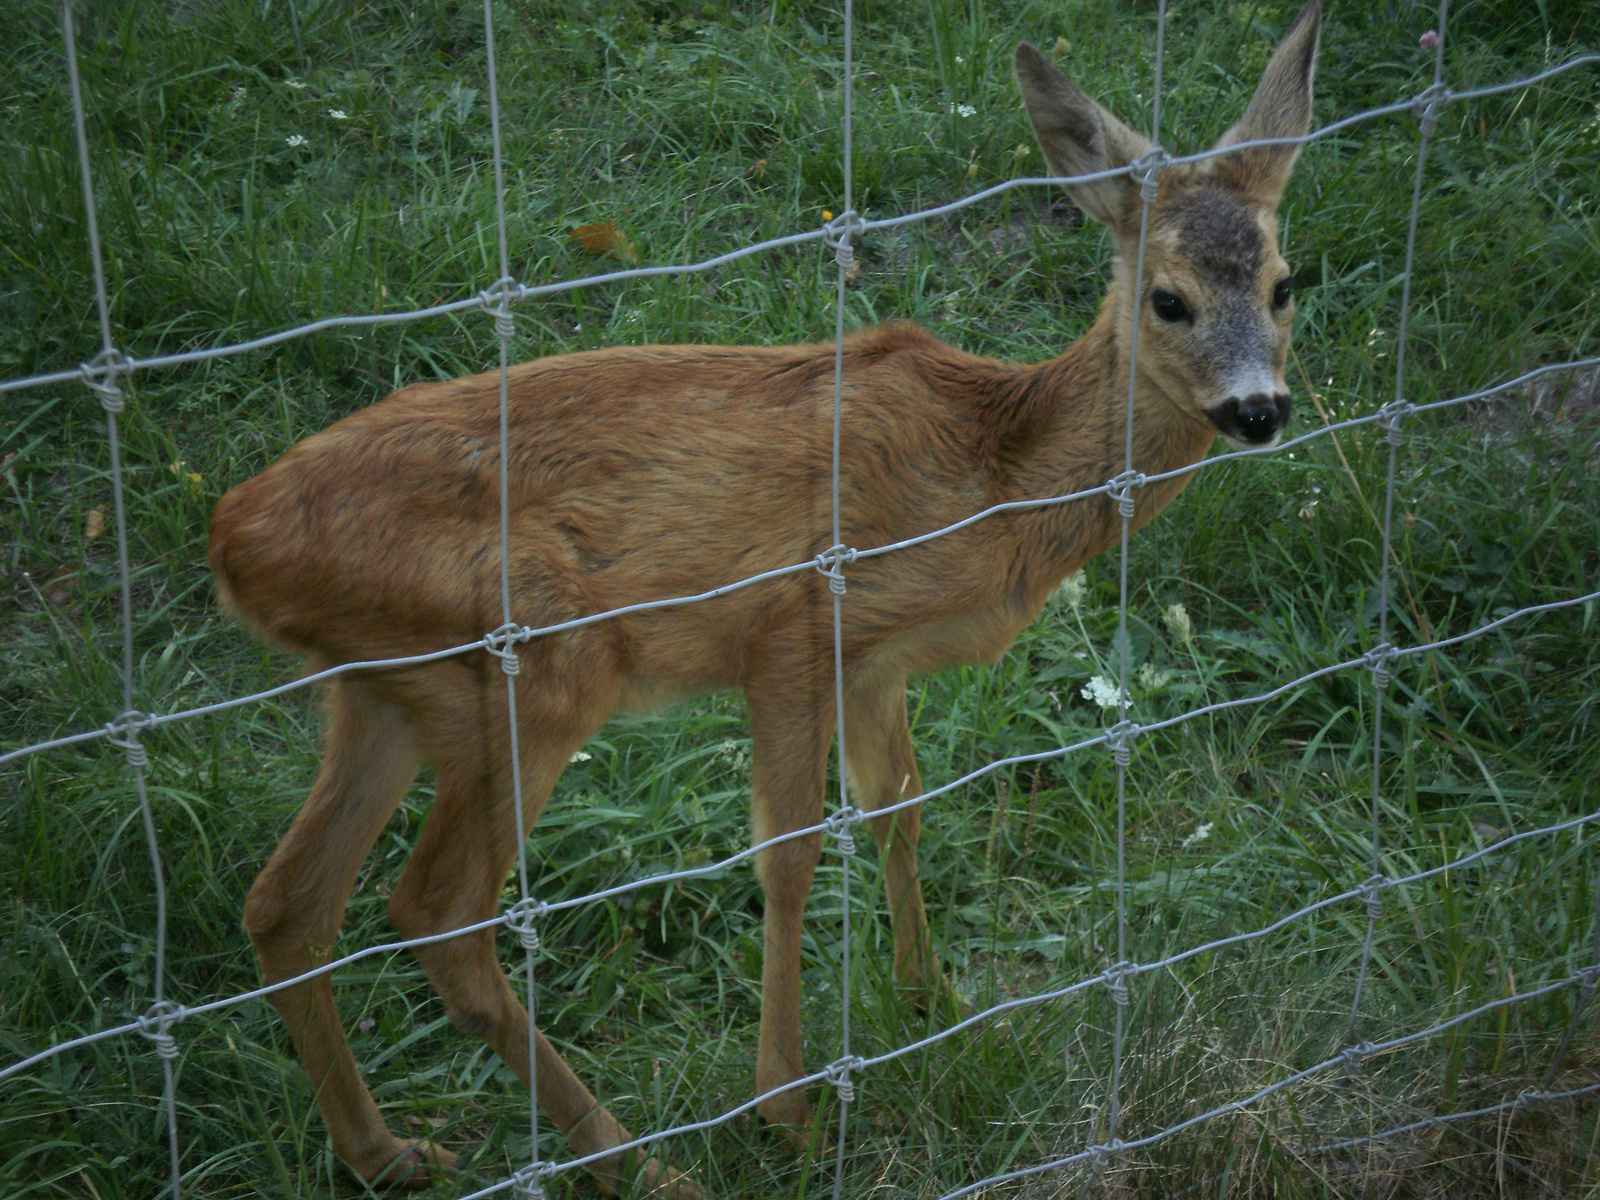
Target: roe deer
{"x": 642, "y": 473}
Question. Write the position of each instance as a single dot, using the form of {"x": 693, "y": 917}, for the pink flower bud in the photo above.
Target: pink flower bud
{"x": 1429, "y": 40}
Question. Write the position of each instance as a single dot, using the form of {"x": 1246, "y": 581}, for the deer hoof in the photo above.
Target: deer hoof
{"x": 405, "y": 1166}
{"x": 662, "y": 1182}
{"x": 940, "y": 1000}
{"x": 803, "y": 1141}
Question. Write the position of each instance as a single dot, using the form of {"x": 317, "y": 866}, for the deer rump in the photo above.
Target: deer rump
{"x": 640, "y": 475}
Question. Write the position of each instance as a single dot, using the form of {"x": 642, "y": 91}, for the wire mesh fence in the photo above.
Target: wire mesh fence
{"x": 526, "y": 915}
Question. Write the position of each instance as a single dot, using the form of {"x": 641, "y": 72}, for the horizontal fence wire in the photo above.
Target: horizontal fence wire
{"x": 496, "y": 642}
{"x": 513, "y": 292}
{"x": 104, "y": 371}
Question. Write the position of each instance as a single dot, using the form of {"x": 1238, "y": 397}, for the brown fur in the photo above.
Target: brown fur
{"x": 641, "y": 474}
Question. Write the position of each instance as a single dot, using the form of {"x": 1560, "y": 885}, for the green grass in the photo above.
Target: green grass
{"x": 698, "y": 128}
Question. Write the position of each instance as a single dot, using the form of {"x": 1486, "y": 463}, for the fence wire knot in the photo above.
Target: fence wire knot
{"x": 838, "y": 1074}
{"x": 1116, "y": 980}
{"x": 840, "y": 825}
{"x": 837, "y": 235}
{"x": 1120, "y": 489}
{"x": 502, "y": 643}
{"x": 1100, "y": 1155}
{"x": 498, "y": 298}
{"x": 1146, "y": 172}
{"x": 831, "y": 563}
{"x": 523, "y": 918}
{"x": 526, "y": 1181}
{"x": 1390, "y": 417}
{"x": 1587, "y": 978}
{"x": 100, "y": 374}
{"x": 1371, "y": 893}
{"x": 1534, "y": 1096}
{"x": 1378, "y": 659}
{"x": 1427, "y": 105}
{"x": 123, "y": 733}
{"x": 156, "y": 1024}
{"x": 1120, "y": 737}
{"x": 1351, "y": 1056}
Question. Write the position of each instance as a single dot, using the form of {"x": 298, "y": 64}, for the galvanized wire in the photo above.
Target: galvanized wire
{"x": 844, "y": 255}
{"x": 1147, "y": 173}
{"x": 156, "y": 1022}
{"x": 524, "y": 912}
{"x": 524, "y": 291}
{"x": 1393, "y": 430}
{"x": 103, "y": 374}
{"x": 1365, "y": 1050}
{"x": 494, "y": 642}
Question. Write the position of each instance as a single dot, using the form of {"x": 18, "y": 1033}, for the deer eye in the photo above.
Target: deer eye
{"x": 1169, "y": 306}
{"x": 1284, "y": 292}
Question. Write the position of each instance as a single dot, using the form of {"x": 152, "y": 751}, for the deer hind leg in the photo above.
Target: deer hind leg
{"x": 454, "y": 878}
{"x": 882, "y": 770}
{"x": 790, "y": 728}
{"x": 297, "y": 903}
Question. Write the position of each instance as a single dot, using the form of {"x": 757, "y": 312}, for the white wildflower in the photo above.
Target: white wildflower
{"x": 581, "y": 756}
{"x": 963, "y": 110}
{"x": 338, "y": 114}
{"x": 1073, "y": 589}
{"x": 293, "y": 140}
{"x": 298, "y": 85}
{"x": 1153, "y": 679}
{"x": 1201, "y": 833}
{"x": 1102, "y": 691}
{"x": 1176, "y": 618}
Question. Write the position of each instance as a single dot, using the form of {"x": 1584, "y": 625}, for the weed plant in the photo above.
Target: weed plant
{"x": 261, "y": 163}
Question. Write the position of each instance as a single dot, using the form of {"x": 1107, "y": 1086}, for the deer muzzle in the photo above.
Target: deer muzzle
{"x": 1255, "y": 420}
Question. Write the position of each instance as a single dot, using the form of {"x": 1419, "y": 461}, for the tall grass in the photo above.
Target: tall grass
{"x": 262, "y": 164}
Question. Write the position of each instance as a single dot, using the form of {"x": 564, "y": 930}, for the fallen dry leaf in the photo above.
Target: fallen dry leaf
{"x": 94, "y": 524}
{"x": 603, "y": 237}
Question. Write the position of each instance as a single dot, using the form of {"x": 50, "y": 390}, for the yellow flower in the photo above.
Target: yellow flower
{"x": 191, "y": 481}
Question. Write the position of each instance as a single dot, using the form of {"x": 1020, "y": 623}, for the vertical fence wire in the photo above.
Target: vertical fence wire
{"x": 1149, "y": 181}
{"x": 527, "y": 1182}
{"x": 1382, "y": 653}
{"x": 157, "y": 1020}
{"x": 843, "y": 256}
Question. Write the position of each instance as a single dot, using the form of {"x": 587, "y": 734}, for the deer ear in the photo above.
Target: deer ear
{"x": 1079, "y": 137}
{"x": 1280, "y": 108}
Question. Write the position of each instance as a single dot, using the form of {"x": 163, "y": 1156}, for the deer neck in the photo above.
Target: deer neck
{"x": 1082, "y": 401}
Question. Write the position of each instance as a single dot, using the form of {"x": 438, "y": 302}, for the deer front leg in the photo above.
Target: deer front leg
{"x": 790, "y": 731}
{"x": 882, "y": 770}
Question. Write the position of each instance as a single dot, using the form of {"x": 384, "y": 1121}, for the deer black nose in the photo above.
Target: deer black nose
{"x": 1255, "y": 419}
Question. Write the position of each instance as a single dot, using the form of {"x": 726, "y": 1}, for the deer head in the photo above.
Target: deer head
{"x": 1217, "y": 298}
